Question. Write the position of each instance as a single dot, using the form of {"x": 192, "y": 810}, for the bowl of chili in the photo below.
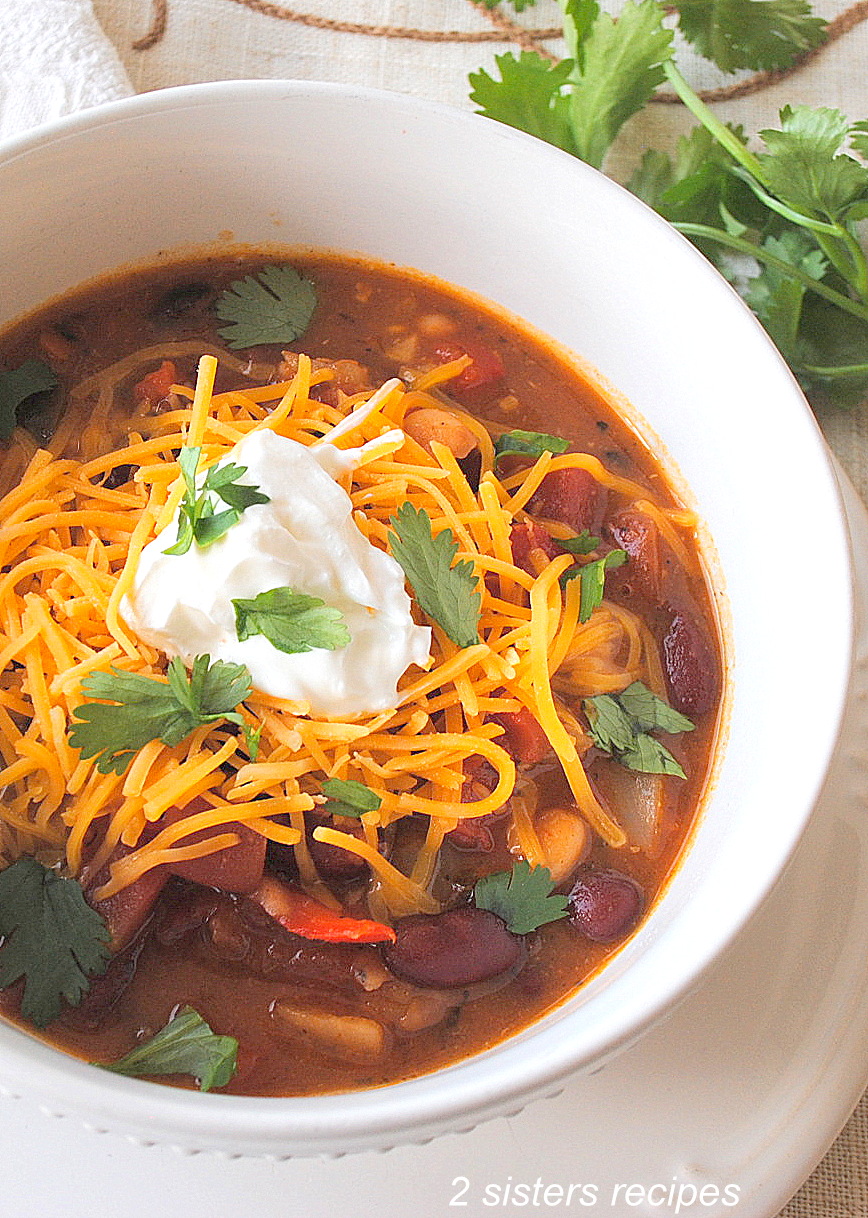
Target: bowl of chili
{"x": 438, "y": 890}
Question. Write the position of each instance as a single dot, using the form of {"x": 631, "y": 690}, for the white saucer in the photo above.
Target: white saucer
{"x": 739, "y": 1092}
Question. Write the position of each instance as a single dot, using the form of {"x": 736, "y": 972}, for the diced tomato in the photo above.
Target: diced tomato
{"x": 235, "y": 868}
{"x": 302, "y": 915}
{"x": 127, "y": 911}
{"x": 480, "y": 379}
{"x": 525, "y": 538}
{"x": 154, "y": 388}
{"x": 523, "y": 738}
{"x": 571, "y": 496}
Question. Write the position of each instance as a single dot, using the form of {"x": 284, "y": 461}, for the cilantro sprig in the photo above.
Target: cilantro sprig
{"x": 528, "y": 444}
{"x": 19, "y": 384}
{"x": 274, "y": 306}
{"x": 592, "y": 574}
{"x": 346, "y": 797}
{"x": 447, "y": 593}
{"x": 128, "y": 710}
{"x": 293, "y": 622}
{"x": 621, "y": 724}
{"x": 50, "y": 936}
{"x": 186, "y": 1045}
{"x": 197, "y": 519}
{"x": 523, "y": 898}
{"x": 794, "y": 206}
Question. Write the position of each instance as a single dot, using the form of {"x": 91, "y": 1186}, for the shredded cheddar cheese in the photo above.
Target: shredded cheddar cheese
{"x": 70, "y": 546}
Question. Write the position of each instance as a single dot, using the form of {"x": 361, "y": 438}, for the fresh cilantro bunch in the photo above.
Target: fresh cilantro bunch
{"x": 793, "y": 207}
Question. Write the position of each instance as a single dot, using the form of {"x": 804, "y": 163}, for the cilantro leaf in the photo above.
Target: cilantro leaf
{"x": 132, "y": 710}
{"x": 447, "y": 593}
{"x": 611, "y": 727}
{"x": 197, "y": 520}
{"x": 804, "y": 166}
{"x": 620, "y": 724}
{"x": 51, "y": 937}
{"x": 186, "y": 1045}
{"x": 274, "y": 306}
{"x": 758, "y": 34}
{"x": 523, "y": 898}
{"x": 528, "y": 444}
{"x": 777, "y": 298}
{"x": 648, "y": 756}
{"x": 17, "y": 385}
{"x": 593, "y": 577}
{"x": 293, "y": 622}
{"x": 585, "y": 543}
{"x": 650, "y": 712}
{"x": 622, "y": 66}
{"x": 528, "y": 96}
{"x": 349, "y": 798}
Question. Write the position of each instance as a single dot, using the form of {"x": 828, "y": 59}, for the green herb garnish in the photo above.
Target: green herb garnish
{"x": 51, "y": 937}
{"x": 19, "y": 384}
{"x": 794, "y": 206}
{"x": 186, "y": 1045}
{"x": 743, "y": 34}
{"x": 197, "y": 519}
{"x": 447, "y": 593}
{"x": 274, "y": 306}
{"x": 620, "y": 724}
{"x": 292, "y": 622}
{"x": 585, "y": 543}
{"x": 527, "y": 444}
{"x": 132, "y": 710}
{"x": 523, "y": 898}
{"x": 346, "y": 797}
{"x": 593, "y": 579}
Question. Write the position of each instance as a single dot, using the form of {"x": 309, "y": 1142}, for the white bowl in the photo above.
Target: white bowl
{"x": 506, "y": 216}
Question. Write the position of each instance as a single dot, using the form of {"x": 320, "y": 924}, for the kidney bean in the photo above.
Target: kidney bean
{"x": 690, "y": 664}
{"x": 639, "y": 536}
{"x": 454, "y": 948}
{"x": 604, "y": 904}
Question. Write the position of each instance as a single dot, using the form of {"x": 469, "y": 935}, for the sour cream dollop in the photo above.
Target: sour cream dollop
{"x": 304, "y": 539}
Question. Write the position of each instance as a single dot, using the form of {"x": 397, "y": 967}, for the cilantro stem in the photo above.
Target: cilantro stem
{"x": 712, "y": 123}
{"x": 840, "y": 370}
{"x": 855, "y": 307}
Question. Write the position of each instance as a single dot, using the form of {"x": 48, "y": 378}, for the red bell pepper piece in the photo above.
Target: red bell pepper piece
{"x": 302, "y": 915}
